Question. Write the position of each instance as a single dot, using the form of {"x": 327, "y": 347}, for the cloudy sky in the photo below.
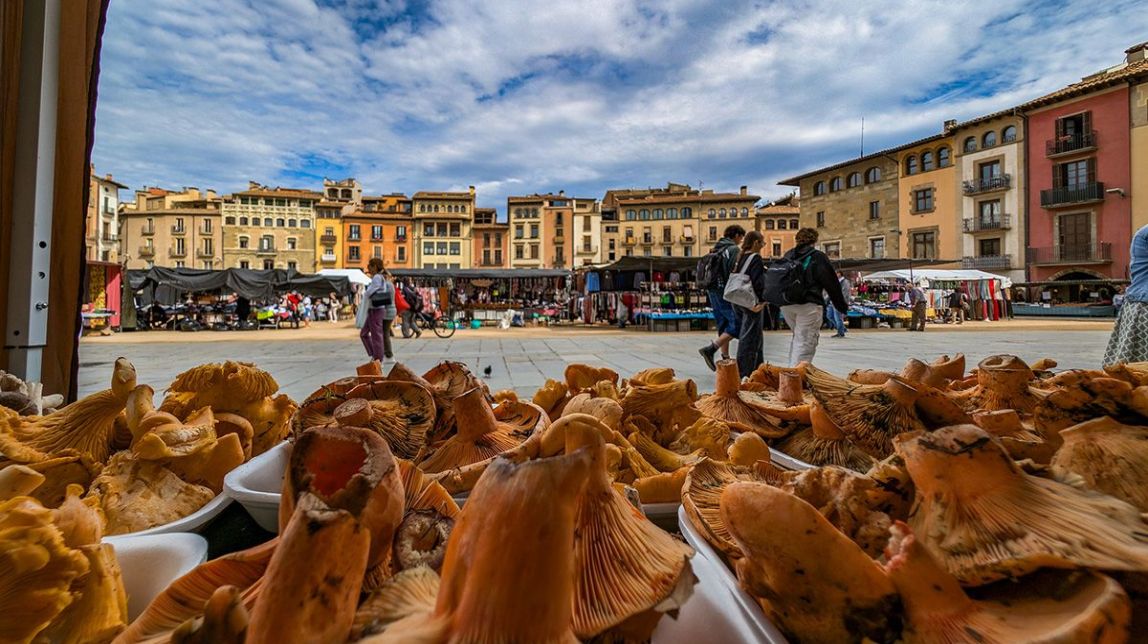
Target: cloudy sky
{"x": 521, "y": 97}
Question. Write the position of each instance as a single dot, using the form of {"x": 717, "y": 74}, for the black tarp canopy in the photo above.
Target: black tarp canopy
{"x": 165, "y": 284}
{"x": 480, "y": 273}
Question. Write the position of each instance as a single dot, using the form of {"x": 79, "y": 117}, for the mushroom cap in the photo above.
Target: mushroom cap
{"x": 551, "y": 397}
{"x": 242, "y": 380}
{"x": 787, "y": 543}
{"x": 583, "y": 376}
{"x": 409, "y": 593}
{"x": 403, "y": 413}
{"x": 100, "y": 608}
{"x": 986, "y": 520}
{"x": 747, "y": 449}
{"x": 701, "y": 496}
{"x": 1110, "y": 456}
{"x": 869, "y": 415}
{"x": 136, "y": 494}
{"x": 319, "y": 407}
{"x": 481, "y": 434}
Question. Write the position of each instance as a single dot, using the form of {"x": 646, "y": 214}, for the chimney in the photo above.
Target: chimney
{"x": 251, "y": 185}
{"x": 950, "y": 125}
{"x": 1136, "y": 53}
{"x": 561, "y": 193}
{"x": 471, "y": 191}
{"x": 744, "y": 190}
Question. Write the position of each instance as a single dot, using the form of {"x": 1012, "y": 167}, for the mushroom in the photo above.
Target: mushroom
{"x": 18, "y": 480}
{"x": 811, "y": 580}
{"x": 224, "y": 621}
{"x": 403, "y": 413}
{"x": 730, "y": 405}
{"x": 319, "y": 407}
{"x": 869, "y": 415}
{"x": 70, "y": 468}
{"x": 482, "y": 433}
{"x": 823, "y": 443}
{"x": 661, "y": 458}
{"x": 428, "y": 519}
{"x": 748, "y": 448}
{"x": 86, "y": 426}
{"x": 1083, "y": 607}
{"x": 410, "y": 592}
{"x": 653, "y": 376}
{"x": 937, "y": 374}
{"x": 137, "y": 494}
{"x": 701, "y": 494}
{"x": 629, "y": 571}
{"x": 659, "y": 402}
{"x": 1019, "y": 440}
{"x": 708, "y": 435}
{"x": 580, "y": 377}
{"x": 986, "y": 520}
{"x": 1111, "y": 458}
{"x": 551, "y": 397}
{"x": 1003, "y": 382}
{"x": 607, "y": 410}
{"x": 661, "y": 488}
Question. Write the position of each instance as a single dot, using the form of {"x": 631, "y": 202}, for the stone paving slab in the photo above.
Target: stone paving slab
{"x": 523, "y": 362}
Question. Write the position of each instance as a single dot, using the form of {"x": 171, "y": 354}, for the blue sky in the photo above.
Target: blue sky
{"x": 581, "y": 96}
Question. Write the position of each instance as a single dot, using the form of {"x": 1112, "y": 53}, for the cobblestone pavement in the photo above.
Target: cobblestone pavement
{"x": 523, "y": 359}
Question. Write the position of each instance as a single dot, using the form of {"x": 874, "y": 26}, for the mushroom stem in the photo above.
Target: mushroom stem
{"x": 789, "y": 383}
{"x": 925, "y": 588}
{"x": 728, "y": 379}
{"x": 823, "y": 425}
{"x": 473, "y": 415}
{"x": 902, "y": 391}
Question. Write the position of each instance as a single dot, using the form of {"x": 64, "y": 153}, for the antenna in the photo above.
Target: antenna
{"x": 862, "y": 136}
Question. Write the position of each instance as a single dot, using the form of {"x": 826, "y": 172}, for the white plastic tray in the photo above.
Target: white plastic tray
{"x": 150, "y": 563}
{"x": 763, "y": 629}
{"x": 787, "y": 462}
{"x": 257, "y": 483}
{"x": 190, "y": 523}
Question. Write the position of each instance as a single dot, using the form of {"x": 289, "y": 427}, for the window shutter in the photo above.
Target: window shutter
{"x": 1086, "y": 123}
{"x": 1092, "y": 170}
{"x": 1058, "y": 173}
{"x": 1059, "y": 128}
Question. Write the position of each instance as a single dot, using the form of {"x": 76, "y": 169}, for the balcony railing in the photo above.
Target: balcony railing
{"x": 109, "y": 238}
{"x": 177, "y": 252}
{"x": 400, "y": 238}
{"x": 687, "y": 239}
{"x": 988, "y": 184}
{"x": 1100, "y": 253}
{"x": 146, "y": 251}
{"x": 328, "y": 257}
{"x": 378, "y": 238}
{"x": 982, "y": 224}
{"x": 328, "y": 239}
{"x": 1072, "y": 195}
{"x": 265, "y": 250}
{"x": 989, "y": 262}
{"x": 629, "y": 241}
{"x": 147, "y": 231}
{"x": 587, "y": 250}
{"x": 1070, "y": 143}
{"x": 647, "y": 241}
{"x": 204, "y": 253}
{"x": 206, "y": 230}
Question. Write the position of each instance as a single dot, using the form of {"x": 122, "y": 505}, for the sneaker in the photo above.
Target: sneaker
{"x": 839, "y": 335}
{"x": 707, "y": 352}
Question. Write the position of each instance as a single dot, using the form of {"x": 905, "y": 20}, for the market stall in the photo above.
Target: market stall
{"x": 654, "y": 293}
{"x": 490, "y": 295}
{"x": 1089, "y": 298}
{"x": 884, "y": 294}
{"x": 101, "y": 309}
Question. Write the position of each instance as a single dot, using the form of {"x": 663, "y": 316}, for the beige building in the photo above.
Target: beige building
{"x": 778, "y": 222}
{"x": 102, "y": 225}
{"x": 491, "y": 239}
{"x": 266, "y": 228}
{"x": 442, "y": 229}
{"x": 553, "y": 230}
{"x": 1138, "y": 96}
{"x": 339, "y": 198}
{"x": 675, "y": 221}
{"x": 929, "y": 208}
{"x": 173, "y": 229}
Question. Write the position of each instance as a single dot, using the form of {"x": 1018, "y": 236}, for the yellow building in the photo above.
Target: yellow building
{"x": 442, "y": 235}
{"x": 172, "y": 229}
{"x": 1139, "y": 153}
{"x": 929, "y": 214}
{"x": 265, "y": 228}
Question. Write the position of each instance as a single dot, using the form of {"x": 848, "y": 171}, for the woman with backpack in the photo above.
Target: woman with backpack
{"x": 804, "y": 312}
{"x": 380, "y": 302}
{"x": 750, "y": 353}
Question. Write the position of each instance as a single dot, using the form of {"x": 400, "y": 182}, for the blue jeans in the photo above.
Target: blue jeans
{"x": 836, "y": 319}
{"x": 723, "y": 314}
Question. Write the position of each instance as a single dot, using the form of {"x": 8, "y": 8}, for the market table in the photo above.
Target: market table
{"x": 665, "y": 321}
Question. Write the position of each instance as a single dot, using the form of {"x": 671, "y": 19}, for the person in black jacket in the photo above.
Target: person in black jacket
{"x": 749, "y": 339}
{"x": 728, "y": 248}
{"x": 805, "y": 317}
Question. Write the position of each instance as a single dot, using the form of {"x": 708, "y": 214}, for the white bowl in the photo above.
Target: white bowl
{"x": 193, "y": 522}
{"x": 150, "y": 563}
{"x": 763, "y": 629}
{"x": 257, "y": 483}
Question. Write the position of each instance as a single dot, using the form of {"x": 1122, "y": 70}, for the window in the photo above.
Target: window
{"x": 780, "y": 224}
{"x": 874, "y": 210}
{"x": 428, "y": 248}
{"x": 1008, "y": 135}
{"x": 353, "y": 253}
{"x": 428, "y": 230}
{"x": 819, "y": 188}
{"x": 455, "y": 248}
{"x": 658, "y": 213}
{"x": 989, "y": 139}
{"x": 292, "y": 223}
{"x": 873, "y": 175}
{"x": 769, "y": 224}
{"x": 687, "y": 213}
{"x": 440, "y": 248}
{"x": 911, "y": 165}
{"x": 834, "y": 184}
{"x": 267, "y": 221}
{"x": 713, "y": 233}
{"x": 377, "y": 233}
{"x": 927, "y": 163}
{"x": 534, "y": 251}
{"x": 518, "y": 231}
{"x": 944, "y": 157}
{"x": 306, "y": 223}
{"x": 832, "y": 249}
{"x": 179, "y": 264}
{"x": 1074, "y": 174}
{"x": 292, "y": 243}
{"x": 667, "y": 235}
{"x": 793, "y": 224}
{"x": 853, "y": 180}
{"x": 440, "y": 229}
{"x": 353, "y": 232}
{"x": 988, "y": 172}
{"x": 230, "y": 221}
{"x": 329, "y": 231}
{"x": 267, "y": 242}
{"x": 776, "y": 250}
{"x": 671, "y": 213}
{"x": 243, "y": 241}
{"x": 924, "y": 245}
{"x": 721, "y": 213}
{"x": 989, "y": 214}
{"x": 533, "y": 212}
{"x": 745, "y": 212}
{"x": 688, "y": 251}
{"x": 644, "y": 214}
{"x": 821, "y": 219}
{"x": 877, "y": 247}
{"x": 970, "y": 144}
{"x": 712, "y": 213}
{"x": 180, "y": 248}
{"x": 989, "y": 247}
{"x": 923, "y": 200}
{"x": 534, "y": 231}
{"x": 243, "y": 221}
{"x": 178, "y": 225}
{"x": 243, "y": 263}
{"x": 291, "y": 266}
{"x": 631, "y": 215}
{"x": 268, "y": 264}
{"x": 400, "y": 232}
{"x": 518, "y": 252}
{"x": 281, "y": 222}
{"x": 456, "y": 229}
{"x": 586, "y": 227}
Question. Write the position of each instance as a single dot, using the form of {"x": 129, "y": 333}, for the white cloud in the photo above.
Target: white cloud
{"x": 581, "y": 94}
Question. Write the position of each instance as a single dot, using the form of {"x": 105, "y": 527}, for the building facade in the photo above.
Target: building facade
{"x": 553, "y": 230}
{"x": 853, "y": 206}
{"x": 173, "y": 229}
{"x": 381, "y": 228}
{"x": 102, "y": 224}
{"x": 990, "y": 168}
{"x": 339, "y": 198}
{"x": 1138, "y": 107}
{"x": 926, "y": 197}
{"x": 1079, "y": 171}
{"x": 586, "y": 233}
{"x": 777, "y": 221}
{"x": 265, "y": 228}
{"x": 442, "y": 229}
{"x": 491, "y": 239}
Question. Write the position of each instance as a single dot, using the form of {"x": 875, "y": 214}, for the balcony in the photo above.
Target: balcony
{"x": 376, "y": 239}
{"x": 987, "y": 184}
{"x": 1070, "y": 144}
{"x": 647, "y": 241}
{"x": 355, "y": 238}
{"x": 328, "y": 258}
{"x": 109, "y": 238}
{"x": 586, "y": 250}
{"x": 206, "y": 230}
{"x": 1072, "y": 195}
{"x": 400, "y": 238}
{"x": 147, "y": 231}
{"x": 629, "y": 241}
{"x": 177, "y": 252}
{"x": 330, "y": 240}
{"x": 265, "y": 250}
{"x": 178, "y": 230}
{"x": 146, "y": 251}
{"x": 988, "y": 224}
{"x": 1100, "y": 253}
{"x": 988, "y": 262}
{"x": 687, "y": 239}
{"x": 204, "y": 253}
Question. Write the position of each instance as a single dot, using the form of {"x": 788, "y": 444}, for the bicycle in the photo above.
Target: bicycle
{"x": 443, "y": 325}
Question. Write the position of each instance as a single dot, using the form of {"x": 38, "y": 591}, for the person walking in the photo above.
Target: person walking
{"x": 920, "y": 306}
{"x": 415, "y": 305}
{"x": 1129, "y": 340}
{"x": 750, "y": 354}
{"x": 804, "y": 317}
{"x": 958, "y": 304}
{"x": 380, "y": 300}
{"x": 726, "y": 251}
{"x": 333, "y": 304}
{"x": 836, "y": 318}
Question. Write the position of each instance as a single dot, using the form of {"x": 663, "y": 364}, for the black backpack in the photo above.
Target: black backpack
{"x": 787, "y": 281}
{"x": 710, "y": 274}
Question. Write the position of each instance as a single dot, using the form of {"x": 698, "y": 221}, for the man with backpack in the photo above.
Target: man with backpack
{"x": 712, "y": 273}
{"x": 796, "y": 284}
{"x": 959, "y": 304}
{"x": 414, "y": 307}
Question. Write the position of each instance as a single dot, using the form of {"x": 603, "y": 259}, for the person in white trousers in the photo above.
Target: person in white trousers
{"x": 805, "y": 317}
